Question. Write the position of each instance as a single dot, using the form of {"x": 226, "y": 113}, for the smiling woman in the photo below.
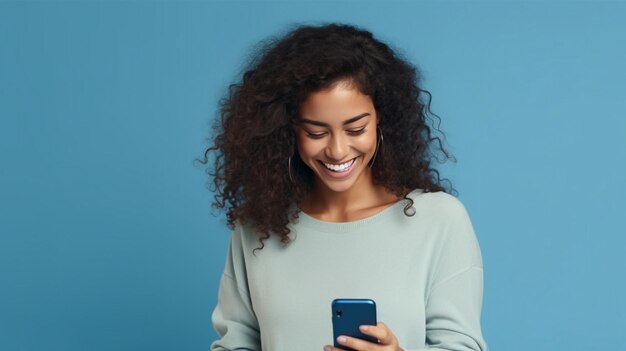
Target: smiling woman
{"x": 324, "y": 162}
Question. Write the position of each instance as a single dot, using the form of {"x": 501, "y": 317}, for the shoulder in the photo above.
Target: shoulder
{"x": 242, "y": 236}
{"x": 448, "y": 219}
{"x": 438, "y": 205}
{"x": 246, "y": 238}
{"x": 451, "y": 228}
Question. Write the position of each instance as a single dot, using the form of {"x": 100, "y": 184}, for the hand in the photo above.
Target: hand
{"x": 386, "y": 340}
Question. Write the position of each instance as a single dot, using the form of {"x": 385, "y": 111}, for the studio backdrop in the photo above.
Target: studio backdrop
{"x": 107, "y": 237}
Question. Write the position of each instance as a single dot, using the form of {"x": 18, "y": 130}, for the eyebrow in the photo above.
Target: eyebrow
{"x": 322, "y": 124}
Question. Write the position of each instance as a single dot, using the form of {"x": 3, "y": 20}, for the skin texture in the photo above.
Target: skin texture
{"x": 387, "y": 340}
{"x": 355, "y": 196}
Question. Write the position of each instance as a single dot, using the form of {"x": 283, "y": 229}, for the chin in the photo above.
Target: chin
{"x": 340, "y": 185}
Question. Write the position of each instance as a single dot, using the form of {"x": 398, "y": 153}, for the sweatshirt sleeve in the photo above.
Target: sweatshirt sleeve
{"x": 233, "y": 317}
{"x": 454, "y": 301}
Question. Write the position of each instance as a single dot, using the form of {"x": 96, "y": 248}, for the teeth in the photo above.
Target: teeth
{"x": 339, "y": 168}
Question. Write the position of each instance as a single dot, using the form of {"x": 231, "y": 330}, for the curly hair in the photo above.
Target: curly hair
{"x": 255, "y": 135}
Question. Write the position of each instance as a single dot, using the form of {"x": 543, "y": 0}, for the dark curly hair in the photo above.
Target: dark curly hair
{"x": 256, "y": 131}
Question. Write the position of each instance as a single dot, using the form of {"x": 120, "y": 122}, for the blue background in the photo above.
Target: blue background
{"x": 107, "y": 238}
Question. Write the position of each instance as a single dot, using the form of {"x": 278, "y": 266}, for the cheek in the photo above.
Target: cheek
{"x": 367, "y": 143}
{"x": 307, "y": 147}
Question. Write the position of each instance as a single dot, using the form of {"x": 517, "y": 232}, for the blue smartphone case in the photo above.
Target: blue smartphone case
{"x": 348, "y": 315}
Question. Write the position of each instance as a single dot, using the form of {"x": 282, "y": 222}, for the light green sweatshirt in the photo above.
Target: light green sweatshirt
{"x": 424, "y": 272}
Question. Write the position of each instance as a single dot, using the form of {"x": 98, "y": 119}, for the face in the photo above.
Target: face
{"x": 336, "y": 137}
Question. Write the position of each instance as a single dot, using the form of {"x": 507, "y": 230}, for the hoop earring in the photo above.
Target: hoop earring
{"x": 290, "y": 175}
{"x": 378, "y": 145}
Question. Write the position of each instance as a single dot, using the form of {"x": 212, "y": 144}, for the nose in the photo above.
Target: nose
{"x": 337, "y": 148}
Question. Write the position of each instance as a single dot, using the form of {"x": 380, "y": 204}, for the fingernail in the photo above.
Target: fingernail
{"x": 342, "y": 339}
{"x": 364, "y": 327}
{"x": 327, "y": 348}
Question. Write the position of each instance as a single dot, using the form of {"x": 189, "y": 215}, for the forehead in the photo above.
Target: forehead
{"x": 336, "y": 104}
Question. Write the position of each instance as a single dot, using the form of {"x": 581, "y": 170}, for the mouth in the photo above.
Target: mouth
{"x": 338, "y": 170}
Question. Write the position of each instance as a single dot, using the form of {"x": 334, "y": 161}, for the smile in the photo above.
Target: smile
{"x": 342, "y": 167}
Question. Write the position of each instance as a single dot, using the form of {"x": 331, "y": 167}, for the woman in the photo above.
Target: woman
{"x": 324, "y": 162}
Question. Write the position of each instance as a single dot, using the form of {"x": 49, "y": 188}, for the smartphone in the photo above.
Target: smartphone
{"x": 348, "y": 315}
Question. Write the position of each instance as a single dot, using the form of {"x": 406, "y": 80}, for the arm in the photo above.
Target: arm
{"x": 453, "y": 312}
{"x": 454, "y": 302}
{"x": 233, "y": 317}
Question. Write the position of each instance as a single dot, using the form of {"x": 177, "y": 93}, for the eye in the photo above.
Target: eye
{"x": 356, "y": 131}
{"x": 315, "y": 135}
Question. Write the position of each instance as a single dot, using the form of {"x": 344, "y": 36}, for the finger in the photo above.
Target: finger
{"x": 357, "y": 344}
{"x": 380, "y": 332}
{"x": 332, "y": 348}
